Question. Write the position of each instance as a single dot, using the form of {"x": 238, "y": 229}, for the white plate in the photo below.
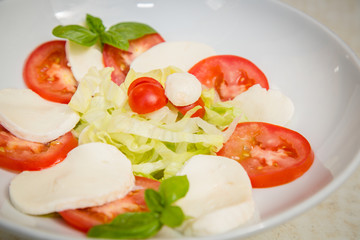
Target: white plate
{"x": 299, "y": 56}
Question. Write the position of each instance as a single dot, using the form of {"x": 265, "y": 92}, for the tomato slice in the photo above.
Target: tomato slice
{"x": 199, "y": 113}
{"x": 230, "y": 75}
{"x": 120, "y": 60}
{"x": 270, "y": 154}
{"x": 20, "y": 155}
{"x": 47, "y": 73}
{"x": 84, "y": 219}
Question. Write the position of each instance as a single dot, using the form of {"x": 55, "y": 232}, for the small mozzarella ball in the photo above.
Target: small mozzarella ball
{"x": 182, "y": 89}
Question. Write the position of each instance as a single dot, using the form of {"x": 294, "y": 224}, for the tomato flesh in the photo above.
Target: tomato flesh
{"x": 270, "y": 154}
{"x": 120, "y": 60}
{"x": 134, "y": 201}
{"x": 20, "y": 155}
{"x": 230, "y": 75}
{"x": 47, "y": 73}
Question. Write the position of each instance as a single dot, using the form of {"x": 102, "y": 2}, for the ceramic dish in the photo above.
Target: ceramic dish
{"x": 300, "y": 57}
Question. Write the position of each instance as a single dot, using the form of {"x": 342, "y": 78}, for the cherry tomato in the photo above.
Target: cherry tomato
{"x": 20, "y": 155}
{"x": 120, "y": 60}
{"x": 199, "y": 113}
{"x": 229, "y": 75}
{"x": 270, "y": 154}
{"x": 84, "y": 219}
{"x": 47, "y": 73}
{"x": 146, "y": 97}
{"x": 141, "y": 80}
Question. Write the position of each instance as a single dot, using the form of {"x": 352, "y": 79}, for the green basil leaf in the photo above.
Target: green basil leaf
{"x": 94, "y": 24}
{"x": 132, "y": 30}
{"x": 153, "y": 200}
{"x": 76, "y": 33}
{"x": 174, "y": 188}
{"x": 172, "y": 216}
{"x": 114, "y": 39}
{"x": 128, "y": 225}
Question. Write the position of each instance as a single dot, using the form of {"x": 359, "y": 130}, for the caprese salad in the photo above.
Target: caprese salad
{"x": 123, "y": 133}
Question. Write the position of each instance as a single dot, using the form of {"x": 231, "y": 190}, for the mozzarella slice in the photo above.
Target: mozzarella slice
{"x": 82, "y": 58}
{"x": 179, "y": 54}
{"x": 271, "y": 106}
{"x": 30, "y": 117}
{"x": 182, "y": 89}
{"x": 218, "y": 185}
{"x": 92, "y": 174}
{"x": 222, "y": 220}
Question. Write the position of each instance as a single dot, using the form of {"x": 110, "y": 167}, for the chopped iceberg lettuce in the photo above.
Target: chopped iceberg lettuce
{"x": 158, "y": 143}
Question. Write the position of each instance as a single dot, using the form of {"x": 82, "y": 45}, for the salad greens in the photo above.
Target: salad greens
{"x": 158, "y": 143}
{"x": 147, "y": 224}
{"x": 117, "y": 35}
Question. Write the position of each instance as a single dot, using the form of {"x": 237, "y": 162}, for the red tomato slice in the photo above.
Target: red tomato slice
{"x": 199, "y": 113}
{"x": 20, "y": 155}
{"x": 120, "y": 60}
{"x": 47, "y": 73}
{"x": 270, "y": 154}
{"x": 84, "y": 219}
{"x": 229, "y": 75}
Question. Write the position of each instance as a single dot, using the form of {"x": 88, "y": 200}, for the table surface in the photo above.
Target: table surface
{"x": 337, "y": 217}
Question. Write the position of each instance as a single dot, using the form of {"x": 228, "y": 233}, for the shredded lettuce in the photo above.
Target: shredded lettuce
{"x": 220, "y": 114}
{"x": 158, "y": 143}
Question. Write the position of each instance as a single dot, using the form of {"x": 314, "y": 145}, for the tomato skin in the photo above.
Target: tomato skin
{"x": 84, "y": 219}
{"x": 271, "y": 155}
{"x": 21, "y": 155}
{"x": 230, "y": 75}
{"x": 120, "y": 60}
{"x": 47, "y": 73}
{"x": 199, "y": 113}
{"x": 146, "y": 97}
{"x": 141, "y": 80}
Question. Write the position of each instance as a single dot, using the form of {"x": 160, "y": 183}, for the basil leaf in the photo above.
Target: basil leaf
{"x": 147, "y": 224}
{"x": 128, "y": 225}
{"x": 172, "y": 216}
{"x": 77, "y": 34}
{"x": 117, "y": 36}
{"x": 94, "y": 24}
{"x": 132, "y": 30}
{"x": 114, "y": 39}
{"x": 174, "y": 188}
{"x": 153, "y": 200}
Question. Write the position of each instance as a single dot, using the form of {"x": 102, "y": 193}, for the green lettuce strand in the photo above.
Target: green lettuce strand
{"x": 88, "y": 86}
{"x": 125, "y": 124}
{"x": 220, "y": 114}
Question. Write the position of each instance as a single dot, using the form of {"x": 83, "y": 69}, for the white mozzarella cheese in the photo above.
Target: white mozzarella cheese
{"x": 28, "y": 116}
{"x": 218, "y": 185}
{"x": 82, "y": 58}
{"x": 271, "y": 106}
{"x": 92, "y": 174}
{"x": 182, "y": 89}
{"x": 179, "y": 54}
{"x": 221, "y": 220}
